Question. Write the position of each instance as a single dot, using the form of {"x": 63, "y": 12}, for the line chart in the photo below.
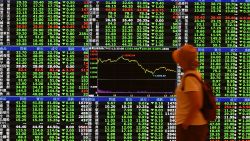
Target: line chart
{"x": 126, "y": 72}
{"x": 135, "y": 61}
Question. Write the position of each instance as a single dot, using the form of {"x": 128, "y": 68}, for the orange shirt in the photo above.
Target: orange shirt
{"x": 183, "y": 103}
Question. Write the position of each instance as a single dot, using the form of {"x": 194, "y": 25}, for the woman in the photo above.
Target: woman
{"x": 191, "y": 125}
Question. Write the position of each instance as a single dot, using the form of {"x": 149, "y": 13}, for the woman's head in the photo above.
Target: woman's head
{"x": 186, "y": 57}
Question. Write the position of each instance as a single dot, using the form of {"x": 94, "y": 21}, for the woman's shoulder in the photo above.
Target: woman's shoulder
{"x": 195, "y": 72}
